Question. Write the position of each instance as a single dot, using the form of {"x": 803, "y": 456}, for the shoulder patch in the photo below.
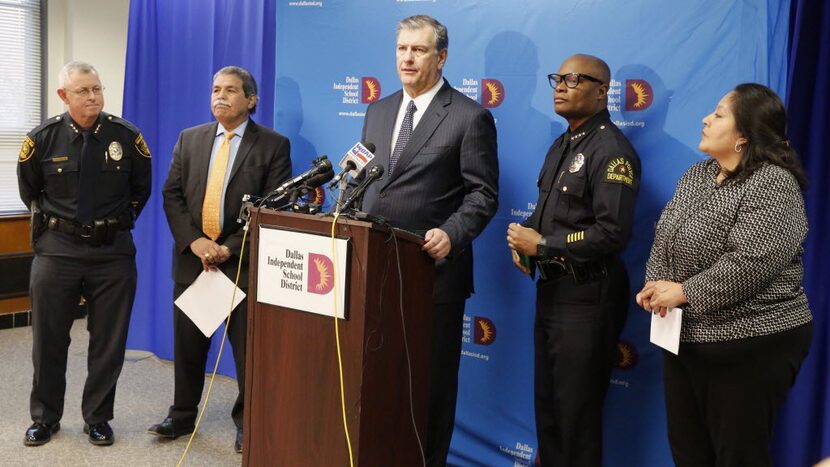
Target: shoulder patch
{"x": 620, "y": 171}
{"x": 27, "y": 150}
{"x": 141, "y": 146}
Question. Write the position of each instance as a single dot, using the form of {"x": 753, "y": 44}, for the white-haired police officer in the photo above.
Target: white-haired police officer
{"x": 85, "y": 175}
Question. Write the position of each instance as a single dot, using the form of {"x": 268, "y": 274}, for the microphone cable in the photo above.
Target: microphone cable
{"x": 221, "y": 345}
{"x": 406, "y": 346}
{"x": 335, "y": 283}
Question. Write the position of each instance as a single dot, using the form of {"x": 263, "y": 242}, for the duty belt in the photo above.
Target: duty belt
{"x": 100, "y": 232}
{"x": 556, "y": 267}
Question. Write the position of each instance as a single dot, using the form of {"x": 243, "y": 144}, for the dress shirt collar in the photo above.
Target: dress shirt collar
{"x": 238, "y": 131}
{"x": 422, "y": 101}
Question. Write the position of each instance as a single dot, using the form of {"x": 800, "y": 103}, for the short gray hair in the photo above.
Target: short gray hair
{"x": 74, "y": 66}
{"x": 442, "y": 40}
{"x": 248, "y": 82}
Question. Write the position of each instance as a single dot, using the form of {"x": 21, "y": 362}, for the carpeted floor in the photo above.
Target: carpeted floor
{"x": 145, "y": 391}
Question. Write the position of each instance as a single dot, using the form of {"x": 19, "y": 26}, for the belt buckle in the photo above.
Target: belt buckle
{"x": 86, "y": 231}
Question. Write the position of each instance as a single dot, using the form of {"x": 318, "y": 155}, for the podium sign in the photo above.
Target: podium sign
{"x": 297, "y": 270}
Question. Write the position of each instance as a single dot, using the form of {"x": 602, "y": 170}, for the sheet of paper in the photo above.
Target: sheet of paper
{"x": 665, "y": 332}
{"x": 208, "y": 299}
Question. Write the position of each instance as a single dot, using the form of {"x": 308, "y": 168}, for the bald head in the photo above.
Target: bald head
{"x": 590, "y": 94}
{"x": 594, "y": 66}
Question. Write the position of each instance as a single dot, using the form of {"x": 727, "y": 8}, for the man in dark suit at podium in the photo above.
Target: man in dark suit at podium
{"x": 213, "y": 166}
{"x": 439, "y": 151}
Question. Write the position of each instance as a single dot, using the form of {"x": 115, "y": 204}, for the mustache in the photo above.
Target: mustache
{"x": 221, "y": 101}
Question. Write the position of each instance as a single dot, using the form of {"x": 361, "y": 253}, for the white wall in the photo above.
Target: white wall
{"x": 94, "y": 31}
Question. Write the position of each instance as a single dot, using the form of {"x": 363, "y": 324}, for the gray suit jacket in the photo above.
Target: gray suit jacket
{"x": 446, "y": 177}
{"x": 261, "y": 164}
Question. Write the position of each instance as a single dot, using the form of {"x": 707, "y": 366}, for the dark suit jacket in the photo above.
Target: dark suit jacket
{"x": 446, "y": 177}
{"x": 261, "y": 164}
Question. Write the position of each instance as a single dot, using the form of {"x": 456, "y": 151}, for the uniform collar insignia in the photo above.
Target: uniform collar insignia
{"x": 589, "y": 126}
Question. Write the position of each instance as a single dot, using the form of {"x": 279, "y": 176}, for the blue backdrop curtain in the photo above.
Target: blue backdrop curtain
{"x": 803, "y": 434}
{"x": 173, "y": 50}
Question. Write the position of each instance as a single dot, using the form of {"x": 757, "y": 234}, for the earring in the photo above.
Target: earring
{"x": 738, "y": 147}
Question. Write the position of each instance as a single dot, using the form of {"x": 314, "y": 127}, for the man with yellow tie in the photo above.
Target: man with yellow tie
{"x": 213, "y": 166}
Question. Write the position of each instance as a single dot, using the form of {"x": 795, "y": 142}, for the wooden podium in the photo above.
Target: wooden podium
{"x": 293, "y": 413}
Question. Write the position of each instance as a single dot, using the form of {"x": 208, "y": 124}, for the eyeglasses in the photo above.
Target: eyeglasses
{"x": 84, "y": 92}
{"x": 571, "y": 79}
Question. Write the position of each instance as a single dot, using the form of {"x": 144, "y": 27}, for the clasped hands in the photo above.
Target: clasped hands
{"x": 661, "y": 296}
{"x": 210, "y": 253}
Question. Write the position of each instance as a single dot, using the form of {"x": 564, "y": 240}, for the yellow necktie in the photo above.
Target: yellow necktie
{"x": 213, "y": 194}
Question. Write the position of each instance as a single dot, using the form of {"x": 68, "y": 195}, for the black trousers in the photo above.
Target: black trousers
{"x": 56, "y": 285}
{"x": 576, "y": 331}
{"x": 445, "y": 356}
{"x": 722, "y": 398}
{"x": 190, "y": 350}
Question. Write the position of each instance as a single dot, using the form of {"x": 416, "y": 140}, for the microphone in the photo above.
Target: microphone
{"x": 319, "y": 179}
{"x": 321, "y": 165}
{"x": 374, "y": 173}
{"x": 354, "y": 161}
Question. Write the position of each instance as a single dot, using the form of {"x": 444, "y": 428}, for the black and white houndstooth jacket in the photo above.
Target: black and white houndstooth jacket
{"x": 736, "y": 248}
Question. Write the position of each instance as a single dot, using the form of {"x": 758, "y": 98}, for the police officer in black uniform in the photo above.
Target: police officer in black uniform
{"x": 85, "y": 176}
{"x": 581, "y": 222}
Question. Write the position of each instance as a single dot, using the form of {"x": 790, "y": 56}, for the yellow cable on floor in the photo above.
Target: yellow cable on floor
{"x": 337, "y": 339}
{"x": 221, "y": 346}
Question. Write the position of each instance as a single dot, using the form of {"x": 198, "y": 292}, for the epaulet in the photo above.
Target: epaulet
{"x": 46, "y": 124}
{"x": 126, "y": 124}
{"x": 606, "y": 130}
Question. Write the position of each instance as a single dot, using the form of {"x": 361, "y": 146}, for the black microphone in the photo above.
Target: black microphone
{"x": 321, "y": 165}
{"x": 319, "y": 179}
{"x": 354, "y": 161}
{"x": 374, "y": 173}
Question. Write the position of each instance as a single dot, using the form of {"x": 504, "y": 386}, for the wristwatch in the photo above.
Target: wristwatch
{"x": 542, "y": 247}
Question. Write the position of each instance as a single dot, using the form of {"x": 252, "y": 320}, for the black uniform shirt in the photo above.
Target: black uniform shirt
{"x": 587, "y": 190}
{"x": 49, "y": 167}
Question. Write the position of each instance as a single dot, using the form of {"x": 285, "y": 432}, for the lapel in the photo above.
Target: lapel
{"x": 248, "y": 140}
{"x": 433, "y": 116}
{"x": 201, "y": 159}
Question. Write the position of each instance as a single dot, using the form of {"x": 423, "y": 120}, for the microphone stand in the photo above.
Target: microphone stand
{"x": 339, "y": 203}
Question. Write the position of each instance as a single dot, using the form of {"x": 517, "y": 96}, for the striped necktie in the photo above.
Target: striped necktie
{"x": 403, "y": 135}
{"x": 211, "y": 206}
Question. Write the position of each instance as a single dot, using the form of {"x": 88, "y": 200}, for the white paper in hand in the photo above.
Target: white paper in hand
{"x": 665, "y": 332}
{"x": 207, "y": 301}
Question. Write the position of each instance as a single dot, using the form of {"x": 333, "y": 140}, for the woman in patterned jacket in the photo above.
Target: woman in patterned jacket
{"x": 727, "y": 250}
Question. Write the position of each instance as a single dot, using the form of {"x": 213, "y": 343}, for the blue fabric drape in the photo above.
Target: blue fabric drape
{"x": 803, "y": 432}
{"x": 173, "y": 50}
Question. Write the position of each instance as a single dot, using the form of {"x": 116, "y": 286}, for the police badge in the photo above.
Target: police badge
{"x": 577, "y": 163}
{"x": 116, "y": 153}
